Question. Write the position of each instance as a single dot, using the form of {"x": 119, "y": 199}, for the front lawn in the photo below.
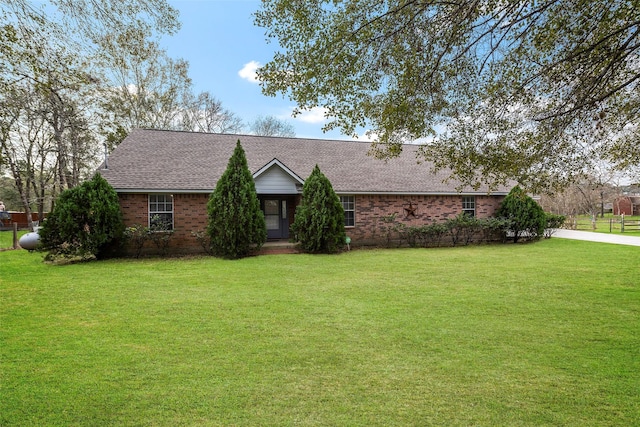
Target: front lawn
{"x": 530, "y": 335}
{"x": 6, "y": 238}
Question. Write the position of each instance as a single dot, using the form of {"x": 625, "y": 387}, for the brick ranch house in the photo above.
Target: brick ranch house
{"x": 172, "y": 174}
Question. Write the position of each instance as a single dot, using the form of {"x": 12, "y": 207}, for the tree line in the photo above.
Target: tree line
{"x": 76, "y": 77}
{"x": 540, "y": 92}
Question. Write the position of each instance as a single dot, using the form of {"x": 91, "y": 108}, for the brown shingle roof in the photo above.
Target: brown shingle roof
{"x": 184, "y": 162}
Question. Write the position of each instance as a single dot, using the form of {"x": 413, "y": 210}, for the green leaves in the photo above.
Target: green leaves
{"x": 517, "y": 84}
{"x": 236, "y": 223}
{"x": 526, "y": 218}
{"x": 86, "y": 220}
{"x": 319, "y": 220}
{"x": 64, "y": 68}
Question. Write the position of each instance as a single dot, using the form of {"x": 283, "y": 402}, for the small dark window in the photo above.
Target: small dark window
{"x": 469, "y": 205}
{"x": 161, "y": 211}
{"x": 349, "y": 206}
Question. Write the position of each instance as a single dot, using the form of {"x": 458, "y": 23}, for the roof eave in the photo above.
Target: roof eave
{"x": 163, "y": 191}
{"x": 282, "y": 166}
{"x": 343, "y": 192}
{"x": 424, "y": 193}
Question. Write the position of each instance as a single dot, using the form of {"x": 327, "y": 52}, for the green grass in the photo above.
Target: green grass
{"x": 529, "y": 335}
{"x": 6, "y": 238}
{"x": 608, "y": 224}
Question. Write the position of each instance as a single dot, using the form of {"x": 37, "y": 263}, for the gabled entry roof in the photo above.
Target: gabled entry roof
{"x": 278, "y": 163}
{"x": 276, "y": 178}
{"x": 190, "y": 162}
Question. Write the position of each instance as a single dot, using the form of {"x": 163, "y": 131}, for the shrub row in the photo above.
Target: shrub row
{"x": 461, "y": 230}
{"x": 138, "y": 236}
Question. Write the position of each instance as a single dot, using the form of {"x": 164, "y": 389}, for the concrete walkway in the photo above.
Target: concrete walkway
{"x": 597, "y": 237}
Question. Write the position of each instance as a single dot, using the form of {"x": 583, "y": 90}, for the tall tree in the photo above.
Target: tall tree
{"x": 236, "y": 223}
{"x": 29, "y": 31}
{"x": 16, "y": 155}
{"x": 8, "y": 194}
{"x": 205, "y": 113}
{"x": 28, "y": 149}
{"x": 92, "y": 19}
{"x": 52, "y": 63}
{"x": 148, "y": 89}
{"x": 44, "y": 94}
{"x": 494, "y": 90}
{"x": 319, "y": 220}
{"x": 272, "y": 126}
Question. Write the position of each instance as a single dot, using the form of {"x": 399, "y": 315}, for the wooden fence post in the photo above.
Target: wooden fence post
{"x": 15, "y": 235}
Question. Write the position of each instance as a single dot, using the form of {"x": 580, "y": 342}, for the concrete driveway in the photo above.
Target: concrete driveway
{"x": 617, "y": 239}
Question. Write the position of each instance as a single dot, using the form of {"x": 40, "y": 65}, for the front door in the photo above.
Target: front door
{"x": 275, "y": 215}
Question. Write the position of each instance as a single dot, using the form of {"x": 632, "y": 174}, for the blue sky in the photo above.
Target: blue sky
{"x": 222, "y": 45}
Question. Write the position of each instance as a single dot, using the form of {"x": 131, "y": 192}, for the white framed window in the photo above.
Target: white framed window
{"x": 469, "y": 205}
{"x": 349, "y": 206}
{"x": 161, "y": 211}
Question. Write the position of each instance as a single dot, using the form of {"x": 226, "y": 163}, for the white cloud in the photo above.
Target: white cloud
{"x": 315, "y": 115}
{"x": 367, "y": 135}
{"x": 248, "y": 71}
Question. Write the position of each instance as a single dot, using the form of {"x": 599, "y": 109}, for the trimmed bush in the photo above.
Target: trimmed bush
{"x": 160, "y": 233}
{"x": 319, "y": 221}
{"x": 553, "y": 221}
{"x": 236, "y": 224}
{"x": 526, "y": 218}
{"x": 390, "y": 227}
{"x": 493, "y": 229}
{"x": 86, "y": 221}
{"x": 136, "y": 236}
{"x": 203, "y": 239}
{"x": 462, "y": 228}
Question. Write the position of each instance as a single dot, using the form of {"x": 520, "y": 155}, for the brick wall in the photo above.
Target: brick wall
{"x": 134, "y": 208}
{"x": 371, "y": 210}
{"x": 190, "y": 214}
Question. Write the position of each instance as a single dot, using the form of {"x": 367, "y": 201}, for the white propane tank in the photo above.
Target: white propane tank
{"x": 29, "y": 241}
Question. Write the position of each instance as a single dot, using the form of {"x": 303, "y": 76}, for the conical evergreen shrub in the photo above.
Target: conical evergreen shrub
{"x": 86, "y": 220}
{"x": 525, "y": 217}
{"x": 236, "y": 224}
{"x": 319, "y": 220}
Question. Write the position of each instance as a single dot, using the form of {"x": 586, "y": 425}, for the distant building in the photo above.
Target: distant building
{"x": 627, "y": 205}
